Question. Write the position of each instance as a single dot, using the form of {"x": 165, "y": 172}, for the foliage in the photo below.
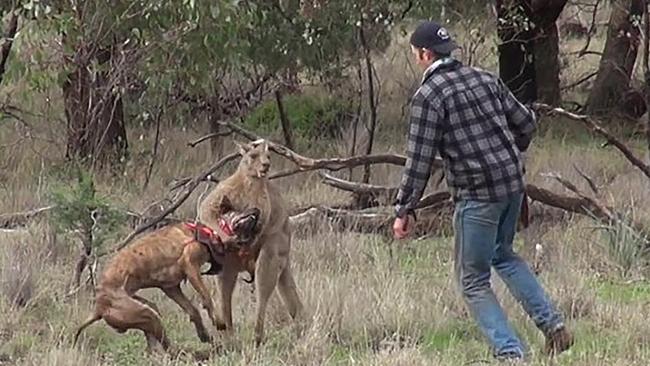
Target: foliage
{"x": 78, "y": 208}
{"x": 626, "y": 247}
{"x": 311, "y": 117}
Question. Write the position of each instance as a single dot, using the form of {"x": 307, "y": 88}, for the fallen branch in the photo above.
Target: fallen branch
{"x": 189, "y": 188}
{"x": 359, "y": 188}
{"x": 583, "y": 205}
{"x": 603, "y": 212}
{"x": 333, "y": 164}
{"x": 389, "y": 193}
{"x": 592, "y": 125}
{"x": 14, "y": 220}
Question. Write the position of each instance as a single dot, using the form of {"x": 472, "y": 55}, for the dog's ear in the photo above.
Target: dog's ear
{"x": 225, "y": 205}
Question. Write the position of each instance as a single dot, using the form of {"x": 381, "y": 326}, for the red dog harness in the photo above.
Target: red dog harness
{"x": 204, "y": 235}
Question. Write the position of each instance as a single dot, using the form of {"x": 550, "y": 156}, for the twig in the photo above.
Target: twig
{"x": 13, "y": 220}
{"x": 580, "y": 81}
{"x": 209, "y": 136}
{"x": 155, "y": 148}
{"x": 599, "y": 130}
{"x": 590, "y": 181}
{"x": 183, "y": 181}
{"x": 191, "y": 186}
{"x": 590, "y": 31}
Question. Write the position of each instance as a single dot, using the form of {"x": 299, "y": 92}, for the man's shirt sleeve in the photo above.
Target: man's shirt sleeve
{"x": 424, "y": 138}
{"x": 521, "y": 119}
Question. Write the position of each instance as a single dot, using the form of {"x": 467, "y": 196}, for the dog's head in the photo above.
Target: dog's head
{"x": 256, "y": 159}
{"x": 237, "y": 228}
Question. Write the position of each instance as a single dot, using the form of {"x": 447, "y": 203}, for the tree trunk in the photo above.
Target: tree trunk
{"x": 95, "y": 115}
{"x": 528, "y": 55}
{"x": 284, "y": 122}
{"x": 618, "y": 58}
{"x": 216, "y": 143}
{"x": 516, "y": 52}
{"x": 646, "y": 71}
{"x": 547, "y": 50}
{"x": 7, "y": 42}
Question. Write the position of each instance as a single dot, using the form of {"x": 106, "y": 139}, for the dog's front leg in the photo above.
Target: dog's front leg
{"x": 175, "y": 293}
{"x": 194, "y": 276}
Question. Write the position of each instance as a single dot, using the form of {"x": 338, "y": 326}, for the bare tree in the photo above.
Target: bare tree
{"x": 619, "y": 56}
{"x": 7, "y": 41}
{"x": 528, "y": 54}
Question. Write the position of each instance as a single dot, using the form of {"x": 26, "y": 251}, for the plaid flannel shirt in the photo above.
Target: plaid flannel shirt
{"x": 479, "y": 128}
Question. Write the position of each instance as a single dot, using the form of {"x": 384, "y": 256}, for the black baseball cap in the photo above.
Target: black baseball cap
{"x": 434, "y": 37}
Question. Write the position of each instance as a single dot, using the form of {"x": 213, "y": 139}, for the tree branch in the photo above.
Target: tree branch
{"x": 306, "y": 164}
{"x": 208, "y": 137}
{"x": 189, "y": 188}
{"x": 592, "y": 125}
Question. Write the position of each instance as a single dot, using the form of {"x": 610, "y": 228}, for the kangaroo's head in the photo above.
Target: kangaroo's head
{"x": 256, "y": 159}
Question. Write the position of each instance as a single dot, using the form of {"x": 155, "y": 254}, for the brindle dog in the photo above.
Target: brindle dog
{"x": 163, "y": 259}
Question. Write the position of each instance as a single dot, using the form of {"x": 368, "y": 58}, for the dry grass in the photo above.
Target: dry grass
{"x": 369, "y": 301}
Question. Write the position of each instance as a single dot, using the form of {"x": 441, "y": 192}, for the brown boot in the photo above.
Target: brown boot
{"x": 558, "y": 341}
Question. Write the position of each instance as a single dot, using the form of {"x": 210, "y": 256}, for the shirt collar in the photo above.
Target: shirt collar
{"x": 436, "y": 65}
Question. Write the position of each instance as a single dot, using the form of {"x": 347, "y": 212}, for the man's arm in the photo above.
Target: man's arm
{"x": 521, "y": 119}
{"x": 423, "y": 139}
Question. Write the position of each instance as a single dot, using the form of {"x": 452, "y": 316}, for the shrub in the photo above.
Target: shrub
{"x": 311, "y": 117}
{"x": 80, "y": 210}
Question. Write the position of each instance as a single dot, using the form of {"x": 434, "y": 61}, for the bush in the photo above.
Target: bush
{"x": 311, "y": 117}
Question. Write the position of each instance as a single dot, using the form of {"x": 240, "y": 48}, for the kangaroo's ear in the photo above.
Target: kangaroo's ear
{"x": 225, "y": 205}
{"x": 243, "y": 148}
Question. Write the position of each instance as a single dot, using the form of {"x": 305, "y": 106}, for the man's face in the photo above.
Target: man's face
{"x": 423, "y": 58}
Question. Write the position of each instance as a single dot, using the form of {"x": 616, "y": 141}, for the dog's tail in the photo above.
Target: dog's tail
{"x": 93, "y": 318}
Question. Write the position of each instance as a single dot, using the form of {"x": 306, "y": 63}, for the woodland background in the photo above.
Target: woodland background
{"x": 117, "y": 114}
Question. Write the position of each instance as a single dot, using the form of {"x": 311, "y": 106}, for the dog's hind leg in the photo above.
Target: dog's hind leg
{"x": 146, "y": 302}
{"x": 129, "y": 313}
{"x": 176, "y": 294}
{"x": 93, "y": 318}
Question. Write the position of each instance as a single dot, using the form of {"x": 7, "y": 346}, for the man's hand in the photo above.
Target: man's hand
{"x": 401, "y": 227}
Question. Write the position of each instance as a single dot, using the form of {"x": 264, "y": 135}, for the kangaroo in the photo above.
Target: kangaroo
{"x": 268, "y": 260}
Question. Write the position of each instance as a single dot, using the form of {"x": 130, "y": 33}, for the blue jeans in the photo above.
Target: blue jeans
{"x": 484, "y": 232}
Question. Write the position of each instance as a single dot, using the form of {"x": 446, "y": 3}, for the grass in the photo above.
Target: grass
{"x": 370, "y": 301}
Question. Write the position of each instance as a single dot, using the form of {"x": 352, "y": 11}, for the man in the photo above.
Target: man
{"x": 481, "y": 130}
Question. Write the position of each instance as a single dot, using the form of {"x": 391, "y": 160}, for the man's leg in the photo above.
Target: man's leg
{"x": 518, "y": 277}
{"x": 476, "y": 227}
